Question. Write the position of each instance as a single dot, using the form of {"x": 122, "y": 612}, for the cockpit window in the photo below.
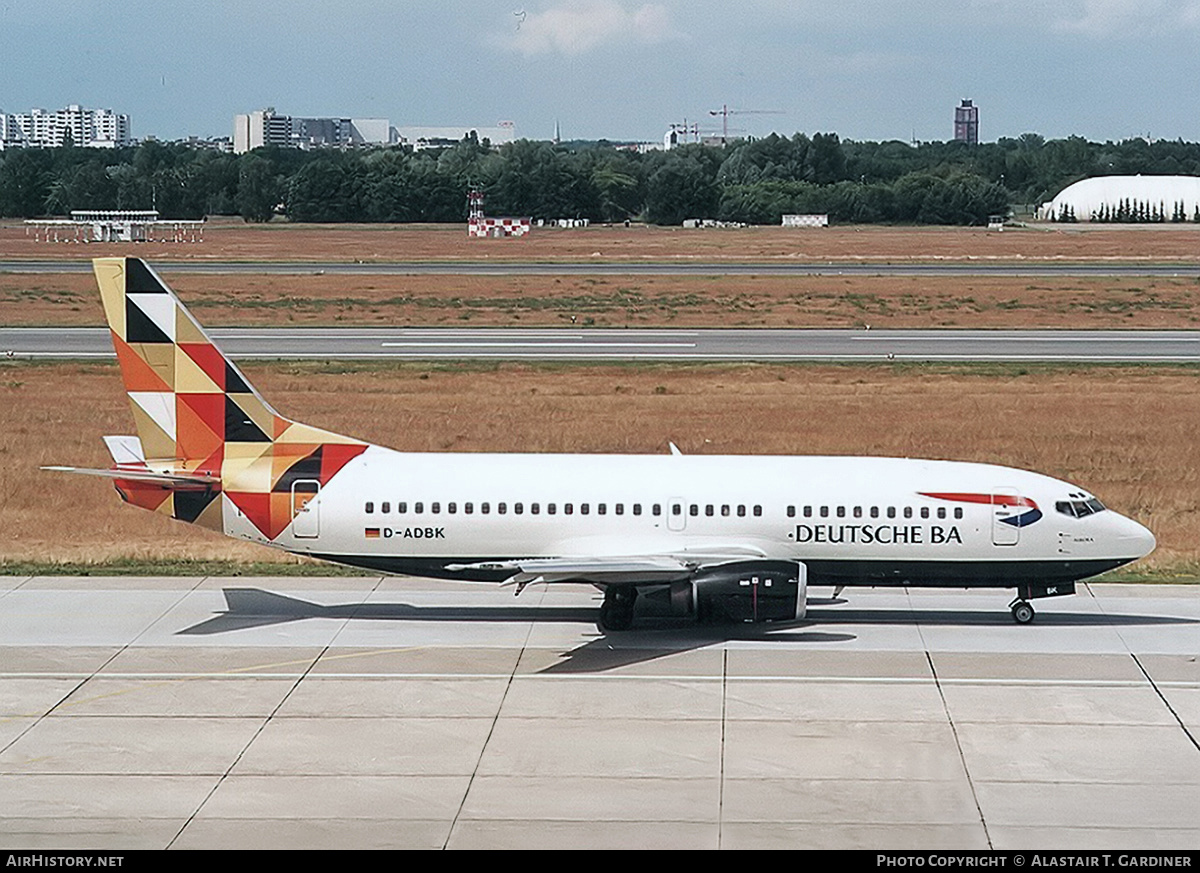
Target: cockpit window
{"x": 1079, "y": 508}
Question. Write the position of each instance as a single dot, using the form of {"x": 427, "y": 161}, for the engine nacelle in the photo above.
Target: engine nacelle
{"x": 744, "y": 591}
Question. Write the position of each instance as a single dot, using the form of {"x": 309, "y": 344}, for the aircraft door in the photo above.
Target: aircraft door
{"x": 676, "y": 513}
{"x": 1005, "y": 531}
{"x": 306, "y": 510}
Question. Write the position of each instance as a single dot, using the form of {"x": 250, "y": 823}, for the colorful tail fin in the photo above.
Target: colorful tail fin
{"x": 198, "y": 416}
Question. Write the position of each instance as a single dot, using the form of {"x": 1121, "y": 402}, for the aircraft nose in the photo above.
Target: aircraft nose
{"x": 1137, "y": 538}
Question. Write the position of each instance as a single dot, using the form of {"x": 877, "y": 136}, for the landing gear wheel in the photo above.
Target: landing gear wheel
{"x": 1022, "y": 612}
{"x": 616, "y": 612}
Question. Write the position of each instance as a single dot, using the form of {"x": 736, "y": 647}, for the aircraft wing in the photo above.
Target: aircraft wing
{"x": 617, "y": 569}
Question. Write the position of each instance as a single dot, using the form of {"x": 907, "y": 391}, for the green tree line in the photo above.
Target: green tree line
{"x": 753, "y": 181}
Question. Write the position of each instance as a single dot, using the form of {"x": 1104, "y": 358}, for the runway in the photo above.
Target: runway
{"x": 612, "y": 267}
{"x": 375, "y": 712}
{"x": 646, "y": 345}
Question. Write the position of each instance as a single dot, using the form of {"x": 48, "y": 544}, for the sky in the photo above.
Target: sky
{"x": 619, "y": 69}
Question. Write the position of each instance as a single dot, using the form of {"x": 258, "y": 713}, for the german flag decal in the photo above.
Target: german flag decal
{"x": 372, "y": 533}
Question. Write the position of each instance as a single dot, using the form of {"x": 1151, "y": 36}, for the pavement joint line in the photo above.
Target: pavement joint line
{"x": 721, "y": 777}
{"x": 953, "y": 729}
{"x": 266, "y": 721}
{"x": 491, "y": 730}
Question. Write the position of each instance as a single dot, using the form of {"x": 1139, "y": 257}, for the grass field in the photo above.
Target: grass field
{"x": 1128, "y": 433}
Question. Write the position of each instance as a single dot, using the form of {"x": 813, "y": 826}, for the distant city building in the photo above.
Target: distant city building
{"x": 966, "y": 123}
{"x": 266, "y": 127}
{"x": 86, "y": 128}
{"x": 419, "y": 138}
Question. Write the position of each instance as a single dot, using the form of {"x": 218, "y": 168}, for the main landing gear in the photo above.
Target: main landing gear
{"x": 616, "y": 612}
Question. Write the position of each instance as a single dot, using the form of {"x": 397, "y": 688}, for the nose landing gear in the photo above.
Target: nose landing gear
{"x": 1022, "y": 611}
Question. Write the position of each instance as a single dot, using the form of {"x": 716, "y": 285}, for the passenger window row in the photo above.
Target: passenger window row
{"x": 871, "y": 512}
{"x": 403, "y": 507}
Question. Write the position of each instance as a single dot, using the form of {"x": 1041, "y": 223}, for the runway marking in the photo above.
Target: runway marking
{"x": 536, "y": 344}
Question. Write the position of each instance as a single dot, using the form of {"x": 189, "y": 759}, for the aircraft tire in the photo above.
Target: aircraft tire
{"x": 616, "y": 612}
{"x": 1022, "y": 612}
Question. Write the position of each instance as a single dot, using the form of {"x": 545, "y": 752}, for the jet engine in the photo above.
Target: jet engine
{"x": 748, "y": 591}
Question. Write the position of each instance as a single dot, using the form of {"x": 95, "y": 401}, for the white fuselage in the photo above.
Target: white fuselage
{"x": 852, "y": 520}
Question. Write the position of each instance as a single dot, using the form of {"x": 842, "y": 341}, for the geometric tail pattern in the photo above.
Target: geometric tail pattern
{"x": 196, "y": 413}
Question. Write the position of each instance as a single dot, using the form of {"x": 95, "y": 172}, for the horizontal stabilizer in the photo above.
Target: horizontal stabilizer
{"x": 176, "y": 481}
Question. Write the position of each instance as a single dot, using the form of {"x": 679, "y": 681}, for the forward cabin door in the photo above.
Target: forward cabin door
{"x": 306, "y": 510}
{"x": 1004, "y": 506}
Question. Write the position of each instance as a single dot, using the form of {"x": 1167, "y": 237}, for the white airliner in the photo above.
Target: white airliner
{"x": 714, "y": 537}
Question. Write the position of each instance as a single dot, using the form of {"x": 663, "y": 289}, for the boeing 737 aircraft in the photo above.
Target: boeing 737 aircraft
{"x": 714, "y": 537}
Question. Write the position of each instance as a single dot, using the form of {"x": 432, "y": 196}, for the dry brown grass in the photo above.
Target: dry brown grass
{"x": 226, "y": 240}
{"x": 1127, "y": 433}
{"x": 635, "y": 301}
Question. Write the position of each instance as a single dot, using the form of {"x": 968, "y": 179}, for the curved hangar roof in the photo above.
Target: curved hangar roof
{"x": 1088, "y": 195}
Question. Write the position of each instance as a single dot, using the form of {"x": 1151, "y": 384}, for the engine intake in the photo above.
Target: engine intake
{"x": 745, "y": 591}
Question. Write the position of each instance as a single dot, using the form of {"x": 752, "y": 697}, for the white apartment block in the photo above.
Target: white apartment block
{"x": 87, "y": 128}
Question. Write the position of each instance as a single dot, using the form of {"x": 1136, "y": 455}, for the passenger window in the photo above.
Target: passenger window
{"x": 824, "y": 512}
{"x": 741, "y": 510}
{"x": 385, "y": 507}
{"x": 601, "y": 508}
{"x": 485, "y": 508}
{"x": 468, "y": 508}
{"x": 891, "y": 512}
{"x": 637, "y": 509}
{"x": 402, "y": 507}
{"x": 435, "y": 507}
{"x": 858, "y": 512}
{"x": 908, "y": 512}
{"x": 620, "y": 508}
{"x": 841, "y": 512}
{"x": 518, "y": 508}
{"x": 757, "y": 510}
{"x": 370, "y": 507}
{"x": 502, "y": 509}
{"x": 694, "y": 509}
{"x": 958, "y": 512}
{"x": 874, "y": 512}
{"x": 418, "y": 507}
{"x": 551, "y": 509}
{"x": 941, "y": 512}
{"x": 791, "y": 512}
{"x": 583, "y": 509}
{"x": 924, "y": 512}
{"x": 568, "y": 508}
{"x": 534, "y": 509}
{"x": 708, "y": 510}
{"x": 725, "y": 509}
{"x": 452, "y": 508}
{"x": 656, "y": 509}
{"x": 808, "y": 512}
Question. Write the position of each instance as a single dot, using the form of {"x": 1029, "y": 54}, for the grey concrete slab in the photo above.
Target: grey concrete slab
{"x": 33, "y": 697}
{"x": 1186, "y": 703}
{"x": 312, "y": 832}
{"x": 182, "y": 696}
{"x": 612, "y": 747}
{"x": 11, "y": 583}
{"x": 585, "y": 835}
{"x": 179, "y": 584}
{"x": 1091, "y": 805}
{"x": 54, "y": 660}
{"x": 967, "y": 664}
{"x": 334, "y": 586}
{"x": 412, "y": 660}
{"x": 1173, "y": 668}
{"x": 347, "y": 798}
{"x": 399, "y": 697}
{"x": 201, "y": 618}
{"x": 592, "y": 798}
{"x": 129, "y": 745}
{"x": 12, "y": 726}
{"x": 1007, "y": 838}
{"x": 900, "y": 664}
{"x": 833, "y": 700}
{"x": 1109, "y": 753}
{"x": 43, "y": 617}
{"x": 589, "y": 698}
{"x": 1144, "y": 590}
{"x": 77, "y": 797}
{"x": 227, "y": 660}
{"x": 1028, "y": 703}
{"x": 837, "y": 750}
{"x": 837, "y": 835}
{"x": 366, "y": 746}
{"x": 850, "y": 801}
{"x": 97, "y": 834}
{"x": 618, "y": 659}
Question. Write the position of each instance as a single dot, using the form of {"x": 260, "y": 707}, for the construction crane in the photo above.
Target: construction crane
{"x": 725, "y": 112}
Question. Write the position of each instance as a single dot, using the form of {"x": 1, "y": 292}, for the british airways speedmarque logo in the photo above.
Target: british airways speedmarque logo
{"x": 1023, "y": 519}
